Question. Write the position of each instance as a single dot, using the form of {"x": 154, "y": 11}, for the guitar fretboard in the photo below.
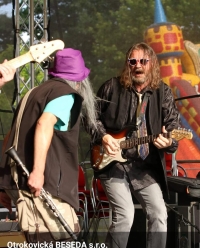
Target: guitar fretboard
{"x": 129, "y": 143}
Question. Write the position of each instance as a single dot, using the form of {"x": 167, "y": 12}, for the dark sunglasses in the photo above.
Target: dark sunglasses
{"x": 133, "y": 62}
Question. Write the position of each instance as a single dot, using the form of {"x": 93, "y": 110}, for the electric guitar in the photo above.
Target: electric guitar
{"x": 100, "y": 160}
{"x": 37, "y": 53}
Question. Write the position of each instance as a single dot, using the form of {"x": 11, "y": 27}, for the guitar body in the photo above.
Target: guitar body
{"x": 99, "y": 158}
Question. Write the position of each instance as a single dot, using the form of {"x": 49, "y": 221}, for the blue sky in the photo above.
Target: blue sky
{"x": 6, "y": 9}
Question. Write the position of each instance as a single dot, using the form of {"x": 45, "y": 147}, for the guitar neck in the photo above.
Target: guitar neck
{"x": 21, "y": 60}
{"x": 130, "y": 143}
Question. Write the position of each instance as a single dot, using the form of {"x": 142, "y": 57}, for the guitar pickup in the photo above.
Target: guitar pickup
{"x": 101, "y": 151}
{"x": 97, "y": 163}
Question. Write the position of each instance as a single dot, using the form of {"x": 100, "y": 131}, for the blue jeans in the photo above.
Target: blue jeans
{"x": 151, "y": 199}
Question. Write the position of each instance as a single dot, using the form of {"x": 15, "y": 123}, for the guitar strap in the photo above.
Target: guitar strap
{"x": 143, "y": 150}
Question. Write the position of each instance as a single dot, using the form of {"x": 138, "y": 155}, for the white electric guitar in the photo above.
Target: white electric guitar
{"x": 37, "y": 53}
{"x": 100, "y": 160}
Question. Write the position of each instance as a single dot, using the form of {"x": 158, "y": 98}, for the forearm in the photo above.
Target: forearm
{"x": 42, "y": 141}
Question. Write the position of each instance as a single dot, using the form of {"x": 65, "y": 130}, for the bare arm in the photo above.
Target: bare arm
{"x": 43, "y": 136}
{"x": 6, "y": 73}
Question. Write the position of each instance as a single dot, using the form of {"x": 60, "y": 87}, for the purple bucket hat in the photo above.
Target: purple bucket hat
{"x": 69, "y": 64}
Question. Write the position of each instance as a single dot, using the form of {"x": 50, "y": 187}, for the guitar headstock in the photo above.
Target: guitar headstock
{"x": 181, "y": 133}
{"x": 41, "y": 51}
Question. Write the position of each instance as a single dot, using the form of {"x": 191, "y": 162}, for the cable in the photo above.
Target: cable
{"x": 182, "y": 218}
{"x": 186, "y": 97}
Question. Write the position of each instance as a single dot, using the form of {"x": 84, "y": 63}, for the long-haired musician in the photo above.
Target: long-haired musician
{"x": 49, "y": 130}
{"x": 139, "y": 101}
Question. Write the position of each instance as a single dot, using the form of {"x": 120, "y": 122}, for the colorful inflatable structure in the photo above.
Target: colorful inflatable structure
{"x": 180, "y": 69}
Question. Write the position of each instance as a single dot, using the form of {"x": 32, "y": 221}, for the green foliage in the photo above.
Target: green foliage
{"x": 7, "y": 34}
{"x": 6, "y": 96}
{"x": 24, "y": 22}
{"x": 104, "y": 30}
{"x": 185, "y": 14}
{"x": 8, "y": 88}
{"x": 5, "y": 118}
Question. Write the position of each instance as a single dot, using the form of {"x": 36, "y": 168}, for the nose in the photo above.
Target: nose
{"x": 138, "y": 63}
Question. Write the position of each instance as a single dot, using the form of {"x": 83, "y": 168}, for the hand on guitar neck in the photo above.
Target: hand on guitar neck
{"x": 37, "y": 54}
{"x": 161, "y": 141}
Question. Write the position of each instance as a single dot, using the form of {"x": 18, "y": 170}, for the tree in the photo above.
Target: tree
{"x": 104, "y": 30}
{"x": 7, "y": 34}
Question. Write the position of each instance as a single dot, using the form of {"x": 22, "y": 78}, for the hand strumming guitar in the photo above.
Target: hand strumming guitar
{"x": 111, "y": 145}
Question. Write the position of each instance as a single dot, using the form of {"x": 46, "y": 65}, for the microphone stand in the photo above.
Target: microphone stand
{"x": 186, "y": 222}
{"x": 12, "y": 153}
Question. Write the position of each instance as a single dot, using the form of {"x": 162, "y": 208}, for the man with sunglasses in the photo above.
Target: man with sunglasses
{"x": 141, "y": 176}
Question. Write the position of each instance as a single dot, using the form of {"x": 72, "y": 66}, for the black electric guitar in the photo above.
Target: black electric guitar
{"x": 37, "y": 53}
{"x": 99, "y": 158}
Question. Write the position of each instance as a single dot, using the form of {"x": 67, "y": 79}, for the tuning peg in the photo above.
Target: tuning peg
{"x": 51, "y": 58}
{"x": 42, "y": 41}
{"x": 46, "y": 63}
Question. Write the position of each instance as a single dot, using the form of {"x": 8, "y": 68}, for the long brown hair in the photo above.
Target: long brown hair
{"x": 154, "y": 72}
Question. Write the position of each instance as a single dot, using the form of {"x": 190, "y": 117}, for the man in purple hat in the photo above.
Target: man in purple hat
{"x": 49, "y": 130}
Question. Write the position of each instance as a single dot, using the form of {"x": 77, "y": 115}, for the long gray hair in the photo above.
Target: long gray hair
{"x": 89, "y": 107}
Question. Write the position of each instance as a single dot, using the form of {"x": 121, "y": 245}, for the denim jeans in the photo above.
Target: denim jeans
{"x": 151, "y": 199}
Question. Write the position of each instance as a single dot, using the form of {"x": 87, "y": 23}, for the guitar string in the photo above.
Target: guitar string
{"x": 141, "y": 140}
